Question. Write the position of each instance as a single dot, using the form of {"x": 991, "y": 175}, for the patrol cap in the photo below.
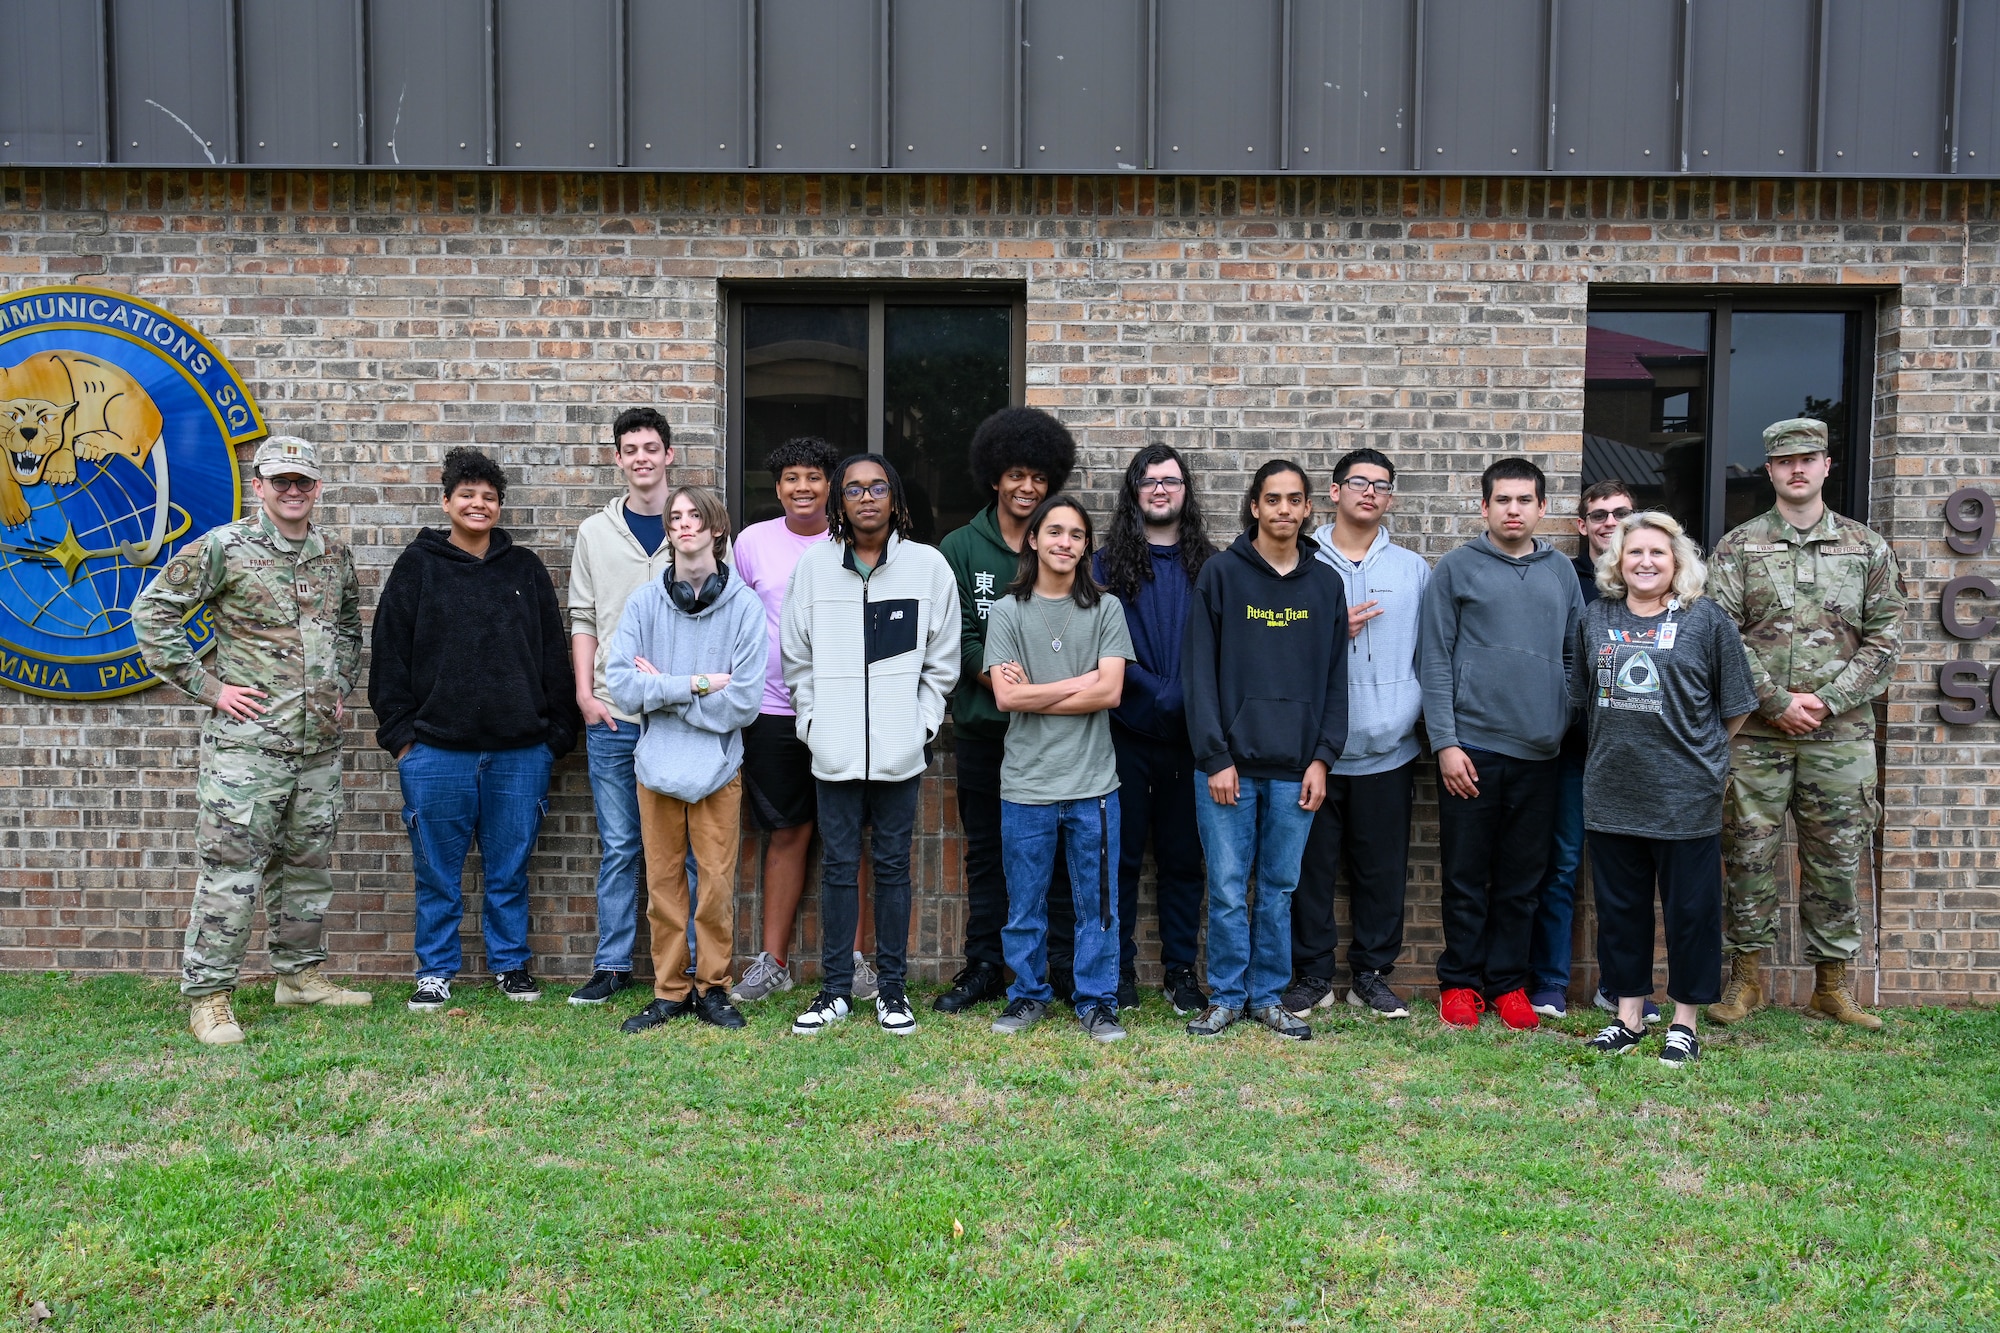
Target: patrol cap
{"x": 1795, "y": 435}
{"x": 288, "y": 455}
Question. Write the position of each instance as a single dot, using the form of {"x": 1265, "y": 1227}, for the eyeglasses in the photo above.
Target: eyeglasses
{"x": 1360, "y": 484}
{"x": 282, "y": 485}
{"x": 1606, "y": 515}
{"x": 1161, "y": 484}
{"x": 879, "y": 490}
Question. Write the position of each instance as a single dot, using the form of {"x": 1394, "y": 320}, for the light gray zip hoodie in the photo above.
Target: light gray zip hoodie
{"x": 1384, "y": 696}
{"x": 691, "y": 745}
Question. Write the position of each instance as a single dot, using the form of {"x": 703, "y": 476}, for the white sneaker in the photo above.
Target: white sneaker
{"x": 866, "y": 984}
{"x": 822, "y": 1013}
{"x": 893, "y": 1013}
{"x": 432, "y": 993}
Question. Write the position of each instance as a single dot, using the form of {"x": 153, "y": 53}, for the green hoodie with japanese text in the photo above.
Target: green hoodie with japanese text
{"x": 984, "y": 565}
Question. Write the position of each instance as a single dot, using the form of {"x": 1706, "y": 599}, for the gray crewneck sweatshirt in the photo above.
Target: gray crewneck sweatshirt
{"x": 1498, "y": 635}
{"x": 1384, "y": 697}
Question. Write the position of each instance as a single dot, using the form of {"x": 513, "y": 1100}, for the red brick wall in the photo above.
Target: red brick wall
{"x": 390, "y": 316}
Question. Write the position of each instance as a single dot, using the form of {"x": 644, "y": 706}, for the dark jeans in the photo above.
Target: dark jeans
{"x": 1688, "y": 872}
{"x": 986, "y": 869}
{"x": 1494, "y": 851}
{"x": 1555, "y": 909}
{"x": 1156, "y": 797}
{"x": 1365, "y": 822}
{"x": 890, "y": 809}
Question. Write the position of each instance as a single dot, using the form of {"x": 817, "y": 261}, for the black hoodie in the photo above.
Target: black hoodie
{"x": 1262, "y": 666}
{"x": 469, "y": 653}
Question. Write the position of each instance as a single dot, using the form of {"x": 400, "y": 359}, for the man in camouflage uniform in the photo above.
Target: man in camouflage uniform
{"x": 1820, "y": 602}
{"x": 288, "y": 650}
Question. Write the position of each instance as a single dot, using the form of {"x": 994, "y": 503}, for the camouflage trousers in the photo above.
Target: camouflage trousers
{"x": 1829, "y": 787}
{"x": 267, "y": 821}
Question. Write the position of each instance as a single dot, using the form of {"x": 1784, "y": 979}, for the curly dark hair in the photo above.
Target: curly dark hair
{"x": 462, "y": 465}
{"x": 802, "y": 451}
{"x": 1022, "y": 437}
{"x": 640, "y": 418}
{"x": 1083, "y": 589}
{"x": 900, "y": 521}
{"x": 1127, "y": 562}
{"x": 1271, "y": 469}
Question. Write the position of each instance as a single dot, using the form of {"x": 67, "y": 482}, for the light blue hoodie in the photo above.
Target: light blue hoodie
{"x": 1384, "y": 695}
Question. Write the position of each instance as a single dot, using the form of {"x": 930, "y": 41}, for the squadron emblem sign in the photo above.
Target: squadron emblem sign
{"x": 118, "y": 427}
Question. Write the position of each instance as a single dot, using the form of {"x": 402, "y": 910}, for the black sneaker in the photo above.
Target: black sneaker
{"x": 601, "y": 987}
{"x": 1305, "y": 995}
{"x": 1183, "y": 992}
{"x": 1372, "y": 993}
{"x": 432, "y": 993}
{"x": 1683, "y": 1047}
{"x": 975, "y": 984}
{"x": 1128, "y": 993}
{"x": 712, "y": 1006}
{"x": 1616, "y": 1040}
{"x": 516, "y": 984}
{"x": 655, "y": 1013}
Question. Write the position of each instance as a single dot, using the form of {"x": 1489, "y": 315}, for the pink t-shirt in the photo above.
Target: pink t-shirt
{"x": 766, "y": 555}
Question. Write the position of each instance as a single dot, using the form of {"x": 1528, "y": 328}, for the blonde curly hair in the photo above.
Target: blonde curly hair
{"x": 1690, "y": 573}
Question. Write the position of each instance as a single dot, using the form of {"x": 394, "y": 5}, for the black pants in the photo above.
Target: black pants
{"x": 985, "y": 872}
{"x": 1366, "y": 824}
{"x": 890, "y": 810}
{"x": 1688, "y": 872}
{"x": 1494, "y": 852}
{"x": 1156, "y": 799}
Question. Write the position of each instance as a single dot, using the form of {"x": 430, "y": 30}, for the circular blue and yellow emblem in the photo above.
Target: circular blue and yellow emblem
{"x": 118, "y": 427}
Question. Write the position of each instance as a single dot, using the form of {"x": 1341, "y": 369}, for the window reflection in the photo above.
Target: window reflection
{"x": 1784, "y": 364}
{"x": 1645, "y": 408}
{"x": 945, "y": 369}
{"x": 805, "y": 372}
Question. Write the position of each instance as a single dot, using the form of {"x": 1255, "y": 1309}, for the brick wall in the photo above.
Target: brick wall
{"x": 390, "y": 316}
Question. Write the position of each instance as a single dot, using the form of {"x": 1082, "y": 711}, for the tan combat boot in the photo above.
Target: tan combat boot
{"x": 307, "y": 986}
{"x": 1831, "y": 998}
{"x": 213, "y": 1022}
{"x": 1742, "y": 996}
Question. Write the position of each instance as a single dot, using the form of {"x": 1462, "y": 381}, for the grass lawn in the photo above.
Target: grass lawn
{"x": 528, "y": 1167}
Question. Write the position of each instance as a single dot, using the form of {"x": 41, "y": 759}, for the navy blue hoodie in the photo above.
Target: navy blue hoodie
{"x": 1263, "y": 664}
{"x": 1156, "y": 614}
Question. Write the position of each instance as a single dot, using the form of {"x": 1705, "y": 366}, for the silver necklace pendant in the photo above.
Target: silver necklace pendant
{"x": 1055, "y": 645}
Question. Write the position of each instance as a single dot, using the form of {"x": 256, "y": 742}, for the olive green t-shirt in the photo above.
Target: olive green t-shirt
{"x": 1056, "y": 758}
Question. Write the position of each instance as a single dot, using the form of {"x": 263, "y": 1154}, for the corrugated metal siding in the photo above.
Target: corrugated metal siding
{"x": 1617, "y": 105}
{"x": 1751, "y": 92}
{"x": 688, "y": 70}
{"x": 952, "y": 103}
{"x": 299, "y": 81}
{"x": 1224, "y": 63}
{"x": 817, "y": 84}
{"x": 173, "y": 71}
{"x": 1886, "y": 81}
{"x": 50, "y": 108}
{"x": 1485, "y": 66}
{"x": 1352, "y": 85}
{"x": 427, "y": 76}
{"x": 557, "y": 83}
{"x": 1085, "y": 80}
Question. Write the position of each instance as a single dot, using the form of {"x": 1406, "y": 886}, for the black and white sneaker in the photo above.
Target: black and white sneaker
{"x": 1372, "y": 993}
{"x": 892, "y": 1011}
{"x": 1183, "y": 992}
{"x": 433, "y": 993}
{"x": 601, "y": 987}
{"x": 825, "y": 1010}
{"x": 1305, "y": 995}
{"x": 1616, "y": 1040}
{"x": 516, "y": 984}
{"x": 1683, "y": 1048}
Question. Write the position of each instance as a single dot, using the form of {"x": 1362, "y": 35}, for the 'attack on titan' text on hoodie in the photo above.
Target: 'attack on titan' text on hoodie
{"x": 1264, "y": 664}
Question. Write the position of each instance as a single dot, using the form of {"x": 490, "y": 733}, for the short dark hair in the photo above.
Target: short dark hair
{"x": 1602, "y": 490}
{"x": 1512, "y": 469}
{"x": 900, "y": 521}
{"x": 640, "y": 418}
{"x": 802, "y": 451}
{"x": 1022, "y": 437}
{"x": 1372, "y": 457}
{"x": 1264, "y": 474}
{"x": 1083, "y": 590}
{"x": 462, "y": 465}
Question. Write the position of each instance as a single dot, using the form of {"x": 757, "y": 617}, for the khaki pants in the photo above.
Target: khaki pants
{"x": 713, "y": 825}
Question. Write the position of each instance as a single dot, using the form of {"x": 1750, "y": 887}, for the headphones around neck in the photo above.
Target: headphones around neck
{"x": 694, "y": 603}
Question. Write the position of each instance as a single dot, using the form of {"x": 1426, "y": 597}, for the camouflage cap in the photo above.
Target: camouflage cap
{"x": 288, "y": 455}
{"x": 1795, "y": 435}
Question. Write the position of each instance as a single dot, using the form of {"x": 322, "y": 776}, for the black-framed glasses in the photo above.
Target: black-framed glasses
{"x": 878, "y": 490}
{"x": 1360, "y": 484}
{"x": 282, "y": 485}
{"x": 1161, "y": 484}
{"x": 1607, "y": 515}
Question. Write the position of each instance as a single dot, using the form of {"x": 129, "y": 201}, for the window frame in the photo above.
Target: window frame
{"x": 877, "y": 295}
{"x": 1721, "y": 304}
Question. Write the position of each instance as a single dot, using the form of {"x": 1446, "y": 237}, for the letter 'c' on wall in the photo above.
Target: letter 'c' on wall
{"x": 1948, "y": 607}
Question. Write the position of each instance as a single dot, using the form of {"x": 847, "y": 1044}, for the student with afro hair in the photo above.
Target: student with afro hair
{"x": 1023, "y": 456}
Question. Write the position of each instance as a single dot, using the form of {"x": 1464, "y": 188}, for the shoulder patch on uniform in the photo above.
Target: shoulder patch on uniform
{"x": 179, "y": 573}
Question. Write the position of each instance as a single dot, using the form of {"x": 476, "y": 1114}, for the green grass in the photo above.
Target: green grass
{"x": 529, "y": 1167}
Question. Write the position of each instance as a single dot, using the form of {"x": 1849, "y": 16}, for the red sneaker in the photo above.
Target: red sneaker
{"x": 1460, "y": 1007}
{"x": 1516, "y": 1012}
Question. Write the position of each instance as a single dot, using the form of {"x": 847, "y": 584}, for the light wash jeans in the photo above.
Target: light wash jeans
{"x": 614, "y": 790}
{"x": 1090, "y": 843}
{"x": 1250, "y": 948}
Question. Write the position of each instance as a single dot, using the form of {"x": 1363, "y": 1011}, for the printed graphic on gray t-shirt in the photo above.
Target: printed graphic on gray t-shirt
{"x": 1050, "y": 759}
{"x": 1656, "y": 692}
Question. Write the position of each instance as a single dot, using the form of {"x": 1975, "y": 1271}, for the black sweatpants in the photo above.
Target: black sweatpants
{"x": 1494, "y": 850}
{"x": 1688, "y": 872}
{"x": 978, "y": 763}
{"x": 1364, "y": 823}
{"x": 1156, "y": 800}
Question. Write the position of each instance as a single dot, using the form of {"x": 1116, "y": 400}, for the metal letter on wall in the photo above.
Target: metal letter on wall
{"x": 118, "y": 448}
{"x": 1972, "y": 514}
{"x": 50, "y": 97}
{"x": 1086, "y": 87}
{"x": 686, "y": 68}
{"x": 298, "y": 82}
{"x": 952, "y": 100}
{"x": 172, "y": 91}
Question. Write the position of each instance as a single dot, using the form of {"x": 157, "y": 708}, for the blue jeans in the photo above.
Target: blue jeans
{"x": 1250, "y": 949}
{"x": 1028, "y": 842}
{"x": 451, "y": 797}
{"x": 1549, "y": 946}
{"x": 614, "y": 790}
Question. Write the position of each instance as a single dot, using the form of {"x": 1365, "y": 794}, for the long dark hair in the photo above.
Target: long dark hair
{"x": 1082, "y": 589}
{"x": 1127, "y": 562}
{"x": 900, "y": 522}
{"x": 1264, "y": 474}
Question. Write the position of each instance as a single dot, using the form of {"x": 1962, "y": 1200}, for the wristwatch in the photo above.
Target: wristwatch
{"x": 701, "y": 684}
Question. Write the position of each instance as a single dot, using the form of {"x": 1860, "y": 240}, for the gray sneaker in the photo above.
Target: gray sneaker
{"x": 866, "y": 984}
{"x": 767, "y": 976}
{"x": 1101, "y": 1024}
{"x": 1280, "y": 1021}
{"x": 1212, "y": 1020}
{"x": 1020, "y": 1015}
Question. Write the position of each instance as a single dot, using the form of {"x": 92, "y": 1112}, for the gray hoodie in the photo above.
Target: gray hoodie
{"x": 1384, "y": 697}
{"x": 1498, "y": 636}
{"x": 691, "y": 745}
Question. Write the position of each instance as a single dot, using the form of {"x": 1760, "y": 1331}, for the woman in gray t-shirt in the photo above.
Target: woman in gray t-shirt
{"x": 1664, "y": 682}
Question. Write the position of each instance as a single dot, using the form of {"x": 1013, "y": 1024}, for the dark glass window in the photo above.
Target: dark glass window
{"x": 1686, "y": 433}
